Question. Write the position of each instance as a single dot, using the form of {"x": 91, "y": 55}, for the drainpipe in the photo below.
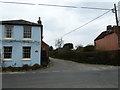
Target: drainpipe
{"x": 40, "y": 23}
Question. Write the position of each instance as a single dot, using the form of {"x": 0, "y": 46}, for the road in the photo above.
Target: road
{"x": 64, "y": 74}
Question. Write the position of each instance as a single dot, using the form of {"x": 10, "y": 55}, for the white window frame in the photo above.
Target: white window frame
{"x": 8, "y": 50}
{"x": 26, "y": 53}
{"x": 8, "y": 32}
{"x": 27, "y": 33}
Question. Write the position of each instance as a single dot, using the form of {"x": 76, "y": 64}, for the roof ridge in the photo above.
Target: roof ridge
{"x": 19, "y": 22}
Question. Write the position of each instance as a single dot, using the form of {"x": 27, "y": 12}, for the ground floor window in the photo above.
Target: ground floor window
{"x": 7, "y": 52}
{"x": 26, "y": 52}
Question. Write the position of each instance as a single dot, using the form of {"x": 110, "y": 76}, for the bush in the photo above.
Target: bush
{"x": 93, "y": 57}
{"x": 35, "y": 67}
{"x": 89, "y": 48}
{"x": 26, "y": 67}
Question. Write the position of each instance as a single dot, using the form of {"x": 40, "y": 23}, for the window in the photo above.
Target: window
{"x": 26, "y": 52}
{"x": 8, "y": 52}
{"x": 27, "y": 32}
{"x": 8, "y": 31}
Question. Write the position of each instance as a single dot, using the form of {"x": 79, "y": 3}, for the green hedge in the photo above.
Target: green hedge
{"x": 94, "y": 57}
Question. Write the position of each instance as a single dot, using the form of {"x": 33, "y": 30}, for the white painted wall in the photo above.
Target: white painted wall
{"x": 17, "y": 43}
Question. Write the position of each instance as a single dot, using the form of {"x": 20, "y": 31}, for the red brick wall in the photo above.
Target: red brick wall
{"x": 45, "y": 47}
{"x": 109, "y": 42}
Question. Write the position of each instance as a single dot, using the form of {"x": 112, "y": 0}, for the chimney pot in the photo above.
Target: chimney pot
{"x": 109, "y": 27}
{"x": 39, "y": 21}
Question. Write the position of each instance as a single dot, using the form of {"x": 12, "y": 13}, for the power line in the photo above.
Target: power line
{"x": 96, "y": 8}
{"x": 40, "y": 4}
{"x": 55, "y": 5}
{"x": 67, "y": 6}
{"x": 86, "y": 23}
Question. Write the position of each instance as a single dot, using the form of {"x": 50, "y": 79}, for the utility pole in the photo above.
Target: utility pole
{"x": 117, "y": 22}
{"x": 116, "y": 16}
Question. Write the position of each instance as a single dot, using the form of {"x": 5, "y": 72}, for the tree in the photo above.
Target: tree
{"x": 80, "y": 48}
{"x": 89, "y": 48}
{"x": 59, "y": 43}
{"x": 68, "y": 46}
{"x": 50, "y": 48}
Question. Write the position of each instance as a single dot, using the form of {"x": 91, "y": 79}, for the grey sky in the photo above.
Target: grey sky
{"x": 59, "y": 21}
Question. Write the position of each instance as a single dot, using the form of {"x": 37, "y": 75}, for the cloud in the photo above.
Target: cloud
{"x": 59, "y": 21}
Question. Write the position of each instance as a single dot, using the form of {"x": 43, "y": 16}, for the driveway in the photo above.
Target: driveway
{"x": 64, "y": 74}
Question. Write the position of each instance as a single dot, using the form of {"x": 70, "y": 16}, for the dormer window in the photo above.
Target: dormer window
{"x": 27, "y": 32}
{"x": 8, "y": 31}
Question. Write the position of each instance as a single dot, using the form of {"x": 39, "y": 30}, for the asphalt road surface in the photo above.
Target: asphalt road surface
{"x": 64, "y": 74}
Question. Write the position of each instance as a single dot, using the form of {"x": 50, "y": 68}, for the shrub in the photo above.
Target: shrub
{"x": 26, "y": 67}
{"x": 94, "y": 57}
{"x": 7, "y": 68}
{"x": 35, "y": 67}
{"x": 89, "y": 48}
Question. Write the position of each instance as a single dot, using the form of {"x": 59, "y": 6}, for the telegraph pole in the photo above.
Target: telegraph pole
{"x": 116, "y": 16}
{"x": 117, "y": 22}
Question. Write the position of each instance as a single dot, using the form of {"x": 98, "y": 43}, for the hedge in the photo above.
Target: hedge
{"x": 94, "y": 57}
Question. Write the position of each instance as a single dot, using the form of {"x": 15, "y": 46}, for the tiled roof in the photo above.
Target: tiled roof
{"x": 114, "y": 29}
{"x": 103, "y": 34}
{"x": 43, "y": 43}
{"x": 18, "y": 22}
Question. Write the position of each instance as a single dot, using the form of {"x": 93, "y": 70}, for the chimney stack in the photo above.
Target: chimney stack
{"x": 39, "y": 21}
{"x": 109, "y": 28}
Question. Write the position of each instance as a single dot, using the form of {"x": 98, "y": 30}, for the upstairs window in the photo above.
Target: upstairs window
{"x": 7, "y": 52}
{"x": 27, "y": 32}
{"x": 8, "y": 31}
{"x": 26, "y": 52}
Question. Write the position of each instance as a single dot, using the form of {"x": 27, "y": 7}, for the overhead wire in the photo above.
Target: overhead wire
{"x": 86, "y": 23}
{"x": 67, "y": 6}
{"x": 40, "y": 4}
{"x": 55, "y": 5}
{"x": 83, "y": 25}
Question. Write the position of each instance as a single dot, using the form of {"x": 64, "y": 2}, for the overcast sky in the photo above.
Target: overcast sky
{"x": 58, "y": 21}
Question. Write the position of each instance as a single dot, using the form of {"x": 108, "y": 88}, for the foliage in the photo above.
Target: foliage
{"x": 68, "y": 46}
{"x": 93, "y": 57}
{"x": 50, "y": 48}
{"x": 26, "y": 67}
{"x": 58, "y": 43}
{"x": 35, "y": 67}
{"x": 79, "y": 48}
{"x": 89, "y": 48}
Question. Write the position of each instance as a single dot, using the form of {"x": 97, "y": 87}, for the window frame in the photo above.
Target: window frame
{"x": 27, "y": 32}
{"x": 9, "y": 53}
{"x": 8, "y": 33}
{"x": 28, "y": 54}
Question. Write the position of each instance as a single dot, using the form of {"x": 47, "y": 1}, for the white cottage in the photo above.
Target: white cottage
{"x": 20, "y": 42}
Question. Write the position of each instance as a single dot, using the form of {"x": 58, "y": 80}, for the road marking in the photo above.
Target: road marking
{"x": 12, "y": 73}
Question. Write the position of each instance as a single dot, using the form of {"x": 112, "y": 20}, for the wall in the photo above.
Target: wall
{"x": 109, "y": 42}
{"x": 17, "y": 45}
{"x": 45, "y": 47}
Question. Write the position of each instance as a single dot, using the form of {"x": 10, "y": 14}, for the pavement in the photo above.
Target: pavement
{"x": 64, "y": 74}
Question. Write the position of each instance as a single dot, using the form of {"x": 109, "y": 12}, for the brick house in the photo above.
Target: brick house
{"x": 45, "y": 48}
{"x": 109, "y": 39}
